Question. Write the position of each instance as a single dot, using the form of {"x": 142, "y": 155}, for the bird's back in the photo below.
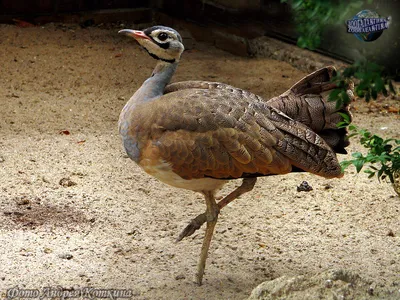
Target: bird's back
{"x": 225, "y": 133}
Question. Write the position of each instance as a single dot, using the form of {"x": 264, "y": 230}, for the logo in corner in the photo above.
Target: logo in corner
{"x": 367, "y": 25}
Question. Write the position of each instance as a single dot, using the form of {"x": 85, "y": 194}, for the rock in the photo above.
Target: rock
{"x": 66, "y": 256}
{"x": 47, "y": 250}
{"x": 328, "y": 283}
{"x": 390, "y": 233}
{"x": 302, "y": 59}
{"x": 22, "y": 200}
{"x": 66, "y": 182}
{"x": 233, "y": 43}
{"x": 304, "y": 187}
{"x": 331, "y": 284}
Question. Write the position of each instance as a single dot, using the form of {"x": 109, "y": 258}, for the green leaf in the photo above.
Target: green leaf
{"x": 349, "y": 72}
{"x": 388, "y": 148}
{"x": 334, "y": 95}
{"x": 361, "y": 75}
{"x": 345, "y": 164}
{"x": 380, "y": 172}
{"x": 339, "y": 103}
{"x": 370, "y": 173}
{"x": 353, "y": 127}
{"x": 358, "y": 164}
{"x": 346, "y": 117}
{"x": 360, "y": 93}
{"x": 345, "y": 97}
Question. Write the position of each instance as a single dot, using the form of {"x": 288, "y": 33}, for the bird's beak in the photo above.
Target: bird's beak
{"x": 136, "y": 34}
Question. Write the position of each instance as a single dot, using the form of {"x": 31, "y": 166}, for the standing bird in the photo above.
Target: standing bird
{"x": 198, "y": 135}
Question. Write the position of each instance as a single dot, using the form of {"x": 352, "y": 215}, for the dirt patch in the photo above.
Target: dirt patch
{"x": 116, "y": 226}
{"x": 29, "y": 212}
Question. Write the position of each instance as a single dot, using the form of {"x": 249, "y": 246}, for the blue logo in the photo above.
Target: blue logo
{"x": 367, "y": 25}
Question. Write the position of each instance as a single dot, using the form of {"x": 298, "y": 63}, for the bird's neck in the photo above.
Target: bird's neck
{"x": 150, "y": 90}
{"x": 154, "y": 86}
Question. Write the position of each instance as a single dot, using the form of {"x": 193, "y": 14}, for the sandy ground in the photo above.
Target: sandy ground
{"x": 112, "y": 226}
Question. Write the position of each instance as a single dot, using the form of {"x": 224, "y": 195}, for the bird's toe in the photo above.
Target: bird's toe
{"x": 194, "y": 224}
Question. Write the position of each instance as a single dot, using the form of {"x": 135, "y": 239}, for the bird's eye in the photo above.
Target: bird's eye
{"x": 162, "y": 36}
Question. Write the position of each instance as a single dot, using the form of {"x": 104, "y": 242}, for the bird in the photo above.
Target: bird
{"x": 198, "y": 135}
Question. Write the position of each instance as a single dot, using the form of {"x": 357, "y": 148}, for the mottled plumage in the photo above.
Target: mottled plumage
{"x": 197, "y": 135}
{"x": 226, "y": 133}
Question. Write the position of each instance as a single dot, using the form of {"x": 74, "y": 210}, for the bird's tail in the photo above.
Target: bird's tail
{"x": 304, "y": 102}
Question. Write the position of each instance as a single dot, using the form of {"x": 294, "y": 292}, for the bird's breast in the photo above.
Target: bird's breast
{"x": 153, "y": 164}
{"x": 163, "y": 172}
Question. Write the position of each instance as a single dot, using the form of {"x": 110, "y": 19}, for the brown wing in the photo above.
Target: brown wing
{"x": 314, "y": 83}
{"x": 303, "y": 102}
{"x": 226, "y": 133}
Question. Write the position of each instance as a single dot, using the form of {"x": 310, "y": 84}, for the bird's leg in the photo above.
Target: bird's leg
{"x": 246, "y": 186}
{"x": 211, "y": 217}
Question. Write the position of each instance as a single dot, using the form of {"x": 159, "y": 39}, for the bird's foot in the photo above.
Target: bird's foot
{"x": 194, "y": 224}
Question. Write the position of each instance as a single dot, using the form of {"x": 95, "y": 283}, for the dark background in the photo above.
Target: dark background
{"x": 245, "y": 18}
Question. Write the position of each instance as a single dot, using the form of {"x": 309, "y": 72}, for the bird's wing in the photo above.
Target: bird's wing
{"x": 312, "y": 84}
{"x": 199, "y": 84}
{"x": 303, "y": 102}
{"x": 227, "y": 133}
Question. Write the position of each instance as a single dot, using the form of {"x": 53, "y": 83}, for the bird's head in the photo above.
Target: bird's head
{"x": 163, "y": 43}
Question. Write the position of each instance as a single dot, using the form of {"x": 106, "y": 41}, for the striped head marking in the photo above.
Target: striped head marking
{"x": 162, "y": 43}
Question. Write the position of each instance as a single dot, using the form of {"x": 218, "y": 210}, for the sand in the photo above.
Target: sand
{"x": 76, "y": 212}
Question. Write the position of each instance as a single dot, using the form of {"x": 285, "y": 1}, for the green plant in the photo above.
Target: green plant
{"x": 312, "y": 17}
{"x": 382, "y": 159}
{"x": 371, "y": 80}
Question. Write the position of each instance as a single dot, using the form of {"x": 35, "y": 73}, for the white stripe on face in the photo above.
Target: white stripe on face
{"x": 171, "y": 35}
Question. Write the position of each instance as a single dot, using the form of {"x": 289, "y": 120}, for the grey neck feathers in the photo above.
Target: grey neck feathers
{"x": 154, "y": 86}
